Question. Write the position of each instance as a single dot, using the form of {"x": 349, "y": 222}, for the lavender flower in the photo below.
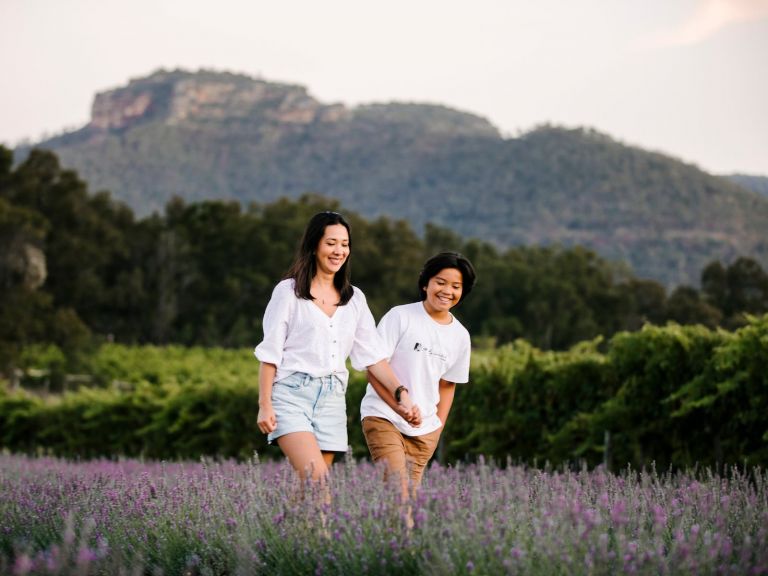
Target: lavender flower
{"x": 132, "y": 517}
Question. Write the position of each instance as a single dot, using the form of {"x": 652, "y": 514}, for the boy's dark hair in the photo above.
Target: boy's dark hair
{"x": 304, "y": 264}
{"x": 448, "y": 260}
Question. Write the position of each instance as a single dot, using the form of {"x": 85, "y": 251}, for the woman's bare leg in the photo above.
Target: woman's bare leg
{"x": 305, "y": 456}
{"x": 309, "y": 461}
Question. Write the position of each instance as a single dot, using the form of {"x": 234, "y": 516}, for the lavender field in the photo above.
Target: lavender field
{"x": 132, "y": 517}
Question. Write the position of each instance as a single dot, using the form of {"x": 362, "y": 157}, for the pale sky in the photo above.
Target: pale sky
{"x": 688, "y": 78}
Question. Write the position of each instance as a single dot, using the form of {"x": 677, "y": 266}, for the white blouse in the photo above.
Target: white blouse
{"x": 300, "y": 337}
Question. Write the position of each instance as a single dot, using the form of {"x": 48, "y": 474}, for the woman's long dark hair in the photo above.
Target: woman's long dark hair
{"x": 304, "y": 265}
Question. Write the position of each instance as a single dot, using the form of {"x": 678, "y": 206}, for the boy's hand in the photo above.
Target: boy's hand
{"x": 408, "y": 410}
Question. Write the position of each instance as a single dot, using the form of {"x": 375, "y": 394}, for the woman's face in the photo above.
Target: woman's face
{"x": 333, "y": 249}
{"x": 443, "y": 291}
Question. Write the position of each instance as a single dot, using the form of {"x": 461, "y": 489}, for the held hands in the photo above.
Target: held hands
{"x": 408, "y": 410}
{"x": 393, "y": 393}
{"x": 266, "y": 420}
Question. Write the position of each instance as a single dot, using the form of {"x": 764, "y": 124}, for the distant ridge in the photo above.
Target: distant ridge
{"x": 207, "y": 135}
{"x": 757, "y": 184}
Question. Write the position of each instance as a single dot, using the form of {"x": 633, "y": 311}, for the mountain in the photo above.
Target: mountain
{"x": 757, "y": 184}
{"x": 206, "y": 135}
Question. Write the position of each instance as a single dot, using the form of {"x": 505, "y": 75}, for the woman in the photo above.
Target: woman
{"x": 429, "y": 351}
{"x": 313, "y": 322}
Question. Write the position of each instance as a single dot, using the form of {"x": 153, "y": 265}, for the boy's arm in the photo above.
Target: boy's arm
{"x": 447, "y": 390}
{"x": 413, "y": 416}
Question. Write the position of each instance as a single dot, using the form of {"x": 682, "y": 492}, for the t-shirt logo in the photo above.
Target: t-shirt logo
{"x": 421, "y": 348}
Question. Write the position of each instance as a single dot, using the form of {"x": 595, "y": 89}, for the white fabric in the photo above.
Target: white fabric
{"x": 421, "y": 352}
{"x": 300, "y": 337}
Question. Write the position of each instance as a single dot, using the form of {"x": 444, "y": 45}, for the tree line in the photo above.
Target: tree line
{"x": 78, "y": 268}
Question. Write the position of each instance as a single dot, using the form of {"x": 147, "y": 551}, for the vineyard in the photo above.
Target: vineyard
{"x": 674, "y": 396}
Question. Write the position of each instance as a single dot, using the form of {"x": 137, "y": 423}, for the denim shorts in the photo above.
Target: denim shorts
{"x": 306, "y": 404}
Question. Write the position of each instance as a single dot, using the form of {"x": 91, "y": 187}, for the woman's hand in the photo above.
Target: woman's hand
{"x": 266, "y": 420}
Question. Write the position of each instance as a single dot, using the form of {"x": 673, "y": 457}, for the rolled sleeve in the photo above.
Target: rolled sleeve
{"x": 275, "y": 324}
{"x": 368, "y": 347}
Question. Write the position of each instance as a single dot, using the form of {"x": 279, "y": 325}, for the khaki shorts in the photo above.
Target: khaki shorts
{"x": 403, "y": 454}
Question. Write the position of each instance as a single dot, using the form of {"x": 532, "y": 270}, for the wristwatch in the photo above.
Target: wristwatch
{"x": 399, "y": 392}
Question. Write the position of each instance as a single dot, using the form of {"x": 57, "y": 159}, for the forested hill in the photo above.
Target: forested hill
{"x": 758, "y": 184}
{"x": 212, "y": 135}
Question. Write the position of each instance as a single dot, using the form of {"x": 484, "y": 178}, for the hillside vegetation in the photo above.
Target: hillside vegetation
{"x": 77, "y": 267}
{"x": 757, "y": 184}
{"x": 211, "y": 135}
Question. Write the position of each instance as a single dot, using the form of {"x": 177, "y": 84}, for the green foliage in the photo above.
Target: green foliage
{"x": 738, "y": 289}
{"x": 520, "y": 397}
{"x": 675, "y": 396}
{"x": 19, "y": 419}
{"x": 151, "y": 401}
{"x": 651, "y": 365}
{"x": 202, "y": 274}
{"x": 117, "y": 365}
{"x": 216, "y": 418}
{"x": 725, "y": 406}
{"x": 88, "y": 257}
{"x": 93, "y": 422}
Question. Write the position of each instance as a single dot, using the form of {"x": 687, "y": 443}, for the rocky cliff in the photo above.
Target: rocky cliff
{"x": 179, "y": 97}
{"x": 182, "y": 97}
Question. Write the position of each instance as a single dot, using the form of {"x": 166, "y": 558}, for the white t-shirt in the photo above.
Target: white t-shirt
{"x": 300, "y": 337}
{"x": 421, "y": 352}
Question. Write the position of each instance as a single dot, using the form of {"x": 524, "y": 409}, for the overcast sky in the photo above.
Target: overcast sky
{"x": 685, "y": 77}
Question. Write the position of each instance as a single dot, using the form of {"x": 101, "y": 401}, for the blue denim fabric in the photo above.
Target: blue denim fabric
{"x": 306, "y": 404}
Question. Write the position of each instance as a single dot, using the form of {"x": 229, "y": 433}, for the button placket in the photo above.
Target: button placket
{"x": 334, "y": 339}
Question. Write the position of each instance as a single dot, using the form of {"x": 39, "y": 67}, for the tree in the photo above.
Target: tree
{"x": 27, "y": 313}
{"x": 646, "y": 303}
{"x": 747, "y": 285}
{"x": 685, "y": 306}
{"x": 740, "y": 288}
